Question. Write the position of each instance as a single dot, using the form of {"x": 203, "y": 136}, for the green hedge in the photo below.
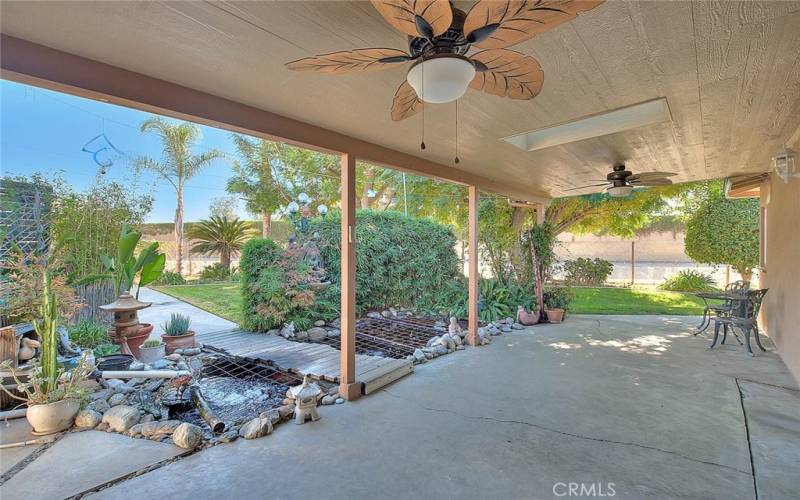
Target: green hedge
{"x": 400, "y": 261}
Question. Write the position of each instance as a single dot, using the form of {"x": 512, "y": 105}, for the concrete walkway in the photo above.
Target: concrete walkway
{"x": 203, "y": 322}
{"x": 633, "y": 401}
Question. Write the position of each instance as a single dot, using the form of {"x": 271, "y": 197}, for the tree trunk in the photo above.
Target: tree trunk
{"x": 225, "y": 259}
{"x": 179, "y": 232}
{"x": 517, "y": 219}
{"x": 266, "y": 223}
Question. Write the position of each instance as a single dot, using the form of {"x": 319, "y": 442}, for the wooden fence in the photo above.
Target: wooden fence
{"x": 93, "y": 296}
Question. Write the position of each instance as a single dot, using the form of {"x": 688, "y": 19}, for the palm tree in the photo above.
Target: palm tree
{"x": 178, "y": 164}
{"x": 219, "y": 235}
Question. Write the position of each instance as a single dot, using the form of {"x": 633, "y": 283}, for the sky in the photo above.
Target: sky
{"x": 44, "y": 131}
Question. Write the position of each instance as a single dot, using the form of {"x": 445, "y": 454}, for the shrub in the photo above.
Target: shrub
{"x": 496, "y": 300}
{"x": 275, "y": 286}
{"x": 401, "y": 261}
{"x": 587, "y": 272}
{"x": 89, "y": 333}
{"x": 558, "y": 297}
{"x": 177, "y": 325}
{"x": 152, "y": 343}
{"x": 689, "y": 281}
{"x": 170, "y": 278}
{"x": 215, "y": 272}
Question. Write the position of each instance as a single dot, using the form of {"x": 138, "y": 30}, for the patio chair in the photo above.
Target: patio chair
{"x": 745, "y": 318}
{"x": 725, "y": 309}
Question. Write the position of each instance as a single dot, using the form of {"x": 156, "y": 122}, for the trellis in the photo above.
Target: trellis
{"x": 23, "y": 214}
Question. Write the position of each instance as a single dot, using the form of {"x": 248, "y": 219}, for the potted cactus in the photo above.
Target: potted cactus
{"x": 177, "y": 334}
{"x": 151, "y": 351}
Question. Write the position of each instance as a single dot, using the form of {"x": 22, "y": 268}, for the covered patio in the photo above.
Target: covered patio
{"x": 633, "y": 405}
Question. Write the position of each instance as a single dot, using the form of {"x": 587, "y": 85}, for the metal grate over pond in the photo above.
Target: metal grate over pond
{"x": 390, "y": 338}
{"x": 237, "y": 390}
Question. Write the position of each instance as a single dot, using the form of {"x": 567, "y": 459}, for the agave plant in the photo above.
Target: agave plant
{"x": 219, "y": 235}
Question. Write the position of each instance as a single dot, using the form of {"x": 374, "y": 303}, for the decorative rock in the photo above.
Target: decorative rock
{"x": 102, "y": 394}
{"x": 88, "y": 419}
{"x": 187, "y": 436}
{"x": 505, "y": 328}
{"x": 517, "y": 326}
{"x": 319, "y": 322}
{"x": 457, "y": 340}
{"x": 101, "y": 406}
{"x": 117, "y": 399}
{"x": 386, "y": 314}
{"x": 173, "y": 357}
{"x": 285, "y": 411}
{"x": 374, "y": 315}
{"x": 301, "y": 335}
{"x": 274, "y": 331}
{"x": 272, "y": 415}
{"x": 332, "y": 390}
{"x": 229, "y": 436}
{"x": 339, "y": 401}
{"x": 102, "y": 426}
{"x": 440, "y": 349}
{"x": 333, "y": 333}
{"x": 317, "y": 334}
{"x": 182, "y": 365}
{"x": 147, "y": 418}
{"x": 137, "y": 366}
{"x": 154, "y": 430}
{"x": 287, "y": 331}
{"x": 460, "y": 347}
{"x": 159, "y": 364}
{"x": 419, "y": 355}
{"x": 121, "y": 418}
{"x": 328, "y": 400}
{"x": 115, "y": 383}
{"x": 256, "y": 428}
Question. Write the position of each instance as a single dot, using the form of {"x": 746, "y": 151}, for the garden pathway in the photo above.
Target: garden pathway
{"x": 318, "y": 360}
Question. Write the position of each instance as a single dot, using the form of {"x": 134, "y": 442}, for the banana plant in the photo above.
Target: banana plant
{"x": 125, "y": 266}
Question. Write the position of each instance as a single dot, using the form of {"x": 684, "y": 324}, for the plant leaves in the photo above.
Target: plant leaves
{"x": 520, "y": 20}
{"x": 152, "y": 270}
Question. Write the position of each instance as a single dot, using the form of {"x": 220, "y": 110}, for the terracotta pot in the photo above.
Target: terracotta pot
{"x": 178, "y": 341}
{"x": 135, "y": 341}
{"x": 554, "y": 315}
{"x": 151, "y": 354}
{"x": 527, "y": 318}
{"x": 53, "y": 417}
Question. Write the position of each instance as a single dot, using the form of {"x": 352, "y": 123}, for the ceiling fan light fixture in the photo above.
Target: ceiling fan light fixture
{"x": 620, "y": 191}
{"x": 446, "y": 78}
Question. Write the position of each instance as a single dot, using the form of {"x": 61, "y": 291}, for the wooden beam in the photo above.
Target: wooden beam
{"x": 472, "y": 267}
{"x": 540, "y": 211}
{"x": 348, "y": 387}
{"x": 35, "y": 64}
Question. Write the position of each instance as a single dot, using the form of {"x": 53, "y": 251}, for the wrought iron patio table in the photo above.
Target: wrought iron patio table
{"x": 740, "y": 298}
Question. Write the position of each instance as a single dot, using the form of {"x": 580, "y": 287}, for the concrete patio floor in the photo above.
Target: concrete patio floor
{"x": 633, "y": 401}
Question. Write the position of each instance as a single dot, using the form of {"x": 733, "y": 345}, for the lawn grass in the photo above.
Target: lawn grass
{"x": 634, "y": 301}
{"x": 222, "y": 299}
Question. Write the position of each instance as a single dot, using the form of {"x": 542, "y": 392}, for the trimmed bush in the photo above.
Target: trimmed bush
{"x": 401, "y": 261}
{"x": 689, "y": 281}
{"x": 215, "y": 272}
{"x": 587, "y": 272}
{"x": 170, "y": 278}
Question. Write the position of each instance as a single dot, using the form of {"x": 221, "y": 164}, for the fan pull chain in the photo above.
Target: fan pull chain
{"x": 422, "y": 144}
{"x": 457, "y": 160}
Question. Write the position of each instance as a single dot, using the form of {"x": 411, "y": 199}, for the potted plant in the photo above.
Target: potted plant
{"x": 177, "y": 334}
{"x": 556, "y": 303}
{"x": 53, "y": 394}
{"x": 151, "y": 351}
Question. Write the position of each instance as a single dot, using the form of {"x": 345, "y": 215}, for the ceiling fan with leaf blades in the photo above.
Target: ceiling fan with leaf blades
{"x": 620, "y": 182}
{"x": 440, "y": 37}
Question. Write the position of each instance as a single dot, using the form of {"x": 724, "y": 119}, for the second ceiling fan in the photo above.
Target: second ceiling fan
{"x": 440, "y": 37}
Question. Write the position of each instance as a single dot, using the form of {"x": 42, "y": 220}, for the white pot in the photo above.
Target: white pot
{"x": 53, "y": 417}
{"x": 150, "y": 355}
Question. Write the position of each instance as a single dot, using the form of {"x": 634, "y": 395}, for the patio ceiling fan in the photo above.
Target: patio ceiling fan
{"x": 439, "y": 39}
{"x": 620, "y": 182}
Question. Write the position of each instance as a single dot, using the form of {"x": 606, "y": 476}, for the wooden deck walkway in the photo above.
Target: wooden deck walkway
{"x": 307, "y": 358}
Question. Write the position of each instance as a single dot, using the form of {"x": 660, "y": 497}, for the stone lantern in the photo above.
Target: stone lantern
{"x": 305, "y": 400}
{"x": 128, "y": 332}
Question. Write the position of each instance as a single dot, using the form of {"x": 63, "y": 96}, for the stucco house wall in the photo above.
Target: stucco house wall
{"x": 780, "y": 314}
